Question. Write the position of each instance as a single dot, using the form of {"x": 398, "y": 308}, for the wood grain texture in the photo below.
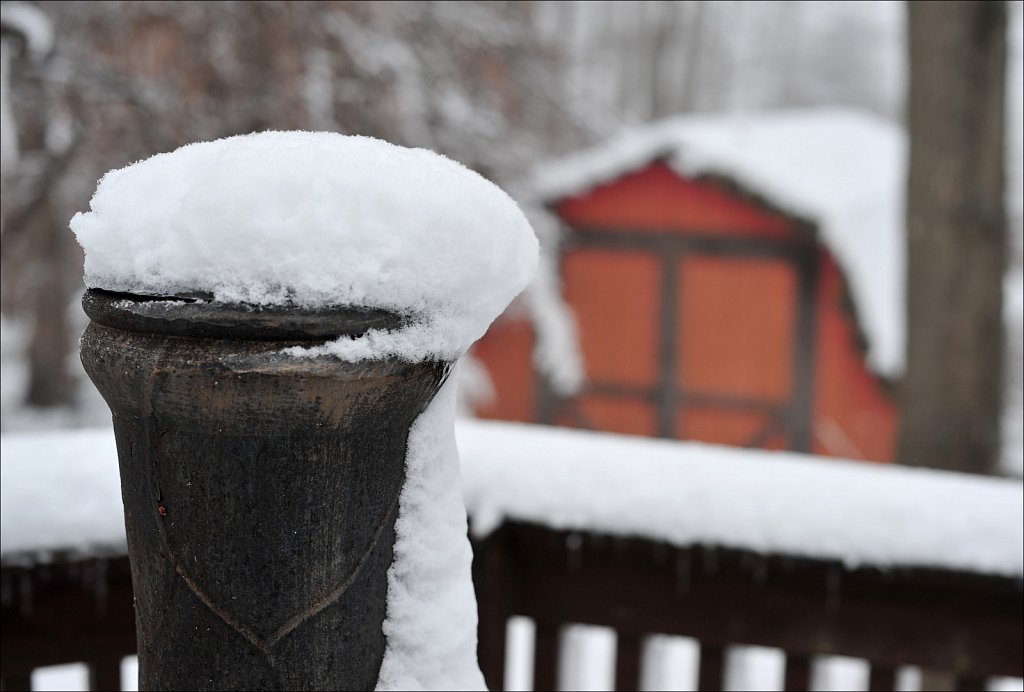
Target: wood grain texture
{"x": 260, "y": 494}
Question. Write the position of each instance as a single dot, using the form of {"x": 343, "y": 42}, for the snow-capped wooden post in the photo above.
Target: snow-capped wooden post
{"x": 274, "y": 318}
{"x": 260, "y": 492}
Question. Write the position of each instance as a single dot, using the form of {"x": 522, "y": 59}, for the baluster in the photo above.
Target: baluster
{"x": 16, "y": 679}
{"x": 105, "y": 673}
{"x": 627, "y": 661}
{"x": 545, "y": 657}
{"x": 489, "y": 567}
{"x": 798, "y": 672}
{"x": 711, "y": 674}
{"x": 882, "y": 678}
{"x": 969, "y": 683}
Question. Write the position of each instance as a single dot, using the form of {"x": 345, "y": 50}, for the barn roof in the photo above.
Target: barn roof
{"x": 842, "y": 169}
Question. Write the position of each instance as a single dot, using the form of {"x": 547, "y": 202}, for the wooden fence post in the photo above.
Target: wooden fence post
{"x": 260, "y": 489}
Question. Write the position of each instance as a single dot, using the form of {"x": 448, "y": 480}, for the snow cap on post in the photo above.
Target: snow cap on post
{"x": 315, "y": 220}
{"x": 318, "y": 500}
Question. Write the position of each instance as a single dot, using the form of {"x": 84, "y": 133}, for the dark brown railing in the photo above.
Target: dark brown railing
{"x": 968, "y": 624}
{"x": 66, "y": 611}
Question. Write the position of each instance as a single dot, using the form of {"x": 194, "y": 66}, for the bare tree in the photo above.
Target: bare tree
{"x": 957, "y": 236}
{"x": 127, "y": 80}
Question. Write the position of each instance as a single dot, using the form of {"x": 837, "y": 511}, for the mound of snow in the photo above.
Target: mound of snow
{"x": 315, "y": 219}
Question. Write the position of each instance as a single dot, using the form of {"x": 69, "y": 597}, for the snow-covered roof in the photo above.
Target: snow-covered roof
{"x": 60, "y": 490}
{"x": 842, "y": 169}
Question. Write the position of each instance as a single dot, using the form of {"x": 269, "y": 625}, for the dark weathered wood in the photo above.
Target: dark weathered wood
{"x": 882, "y": 678}
{"x": 914, "y": 617}
{"x": 105, "y": 674}
{"x": 970, "y": 683}
{"x": 490, "y": 575}
{"x": 628, "y": 651}
{"x": 72, "y": 612}
{"x": 896, "y": 617}
{"x": 191, "y": 316}
{"x": 798, "y": 673}
{"x": 545, "y": 656}
{"x": 260, "y": 495}
{"x": 16, "y": 679}
{"x": 711, "y": 668}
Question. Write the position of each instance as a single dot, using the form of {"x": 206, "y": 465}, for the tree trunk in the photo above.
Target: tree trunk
{"x": 956, "y": 236}
{"x": 50, "y": 382}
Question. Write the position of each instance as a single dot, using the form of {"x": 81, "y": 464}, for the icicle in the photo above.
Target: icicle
{"x": 682, "y": 585}
{"x": 25, "y": 593}
{"x": 833, "y": 584}
{"x": 573, "y": 543}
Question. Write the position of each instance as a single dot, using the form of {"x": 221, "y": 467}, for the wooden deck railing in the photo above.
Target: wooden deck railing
{"x": 967, "y": 624}
{"x": 971, "y": 625}
{"x": 66, "y": 611}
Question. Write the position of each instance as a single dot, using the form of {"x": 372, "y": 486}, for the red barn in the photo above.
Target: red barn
{"x": 736, "y": 281}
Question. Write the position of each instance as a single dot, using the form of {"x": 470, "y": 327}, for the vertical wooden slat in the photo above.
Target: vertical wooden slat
{"x": 105, "y": 674}
{"x": 798, "y": 673}
{"x": 489, "y": 578}
{"x": 545, "y": 657}
{"x": 711, "y": 675}
{"x": 627, "y": 661}
{"x": 970, "y": 683}
{"x": 882, "y": 679}
{"x": 16, "y": 679}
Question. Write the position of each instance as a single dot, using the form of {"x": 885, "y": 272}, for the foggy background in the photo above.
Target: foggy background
{"x": 89, "y": 87}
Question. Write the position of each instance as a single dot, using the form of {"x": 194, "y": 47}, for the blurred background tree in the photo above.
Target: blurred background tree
{"x": 496, "y": 85}
{"x": 956, "y": 236}
{"x": 126, "y": 80}
{"x": 500, "y": 86}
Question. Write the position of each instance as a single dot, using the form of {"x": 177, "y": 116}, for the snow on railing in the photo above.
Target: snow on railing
{"x": 60, "y": 493}
{"x": 775, "y": 503}
{"x": 696, "y": 535}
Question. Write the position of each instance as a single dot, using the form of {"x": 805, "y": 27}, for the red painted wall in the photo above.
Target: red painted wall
{"x": 735, "y": 320}
{"x": 855, "y": 415}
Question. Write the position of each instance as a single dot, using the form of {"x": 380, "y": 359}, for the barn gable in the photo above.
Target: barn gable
{"x": 712, "y": 306}
{"x": 840, "y": 169}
